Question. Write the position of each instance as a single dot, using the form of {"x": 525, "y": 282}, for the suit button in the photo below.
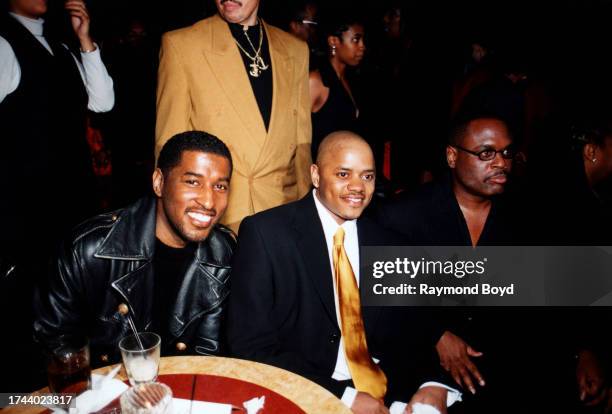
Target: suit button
{"x": 181, "y": 346}
{"x": 104, "y": 358}
{"x": 123, "y": 309}
{"x": 333, "y": 338}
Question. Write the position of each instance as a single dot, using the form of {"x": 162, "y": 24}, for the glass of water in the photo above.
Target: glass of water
{"x": 141, "y": 358}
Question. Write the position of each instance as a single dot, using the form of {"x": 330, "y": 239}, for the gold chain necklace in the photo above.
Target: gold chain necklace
{"x": 257, "y": 63}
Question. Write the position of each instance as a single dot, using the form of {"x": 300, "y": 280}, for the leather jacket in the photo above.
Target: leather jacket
{"x": 107, "y": 262}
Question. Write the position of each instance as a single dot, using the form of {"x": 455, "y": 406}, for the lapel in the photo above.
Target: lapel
{"x": 132, "y": 240}
{"x": 315, "y": 257}
{"x": 367, "y": 237}
{"x": 134, "y": 286}
{"x": 313, "y": 251}
{"x": 132, "y": 236}
{"x": 282, "y": 81}
{"x": 226, "y": 64}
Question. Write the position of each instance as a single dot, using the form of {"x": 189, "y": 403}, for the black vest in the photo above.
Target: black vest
{"x": 45, "y": 165}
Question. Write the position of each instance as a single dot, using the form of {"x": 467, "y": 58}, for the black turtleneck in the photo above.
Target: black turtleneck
{"x": 170, "y": 266}
{"x": 262, "y": 85}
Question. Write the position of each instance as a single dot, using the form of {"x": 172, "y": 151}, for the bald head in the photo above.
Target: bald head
{"x": 340, "y": 141}
{"x": 344, "y": 175}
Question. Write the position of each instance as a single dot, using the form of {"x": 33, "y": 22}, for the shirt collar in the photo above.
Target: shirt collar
{"x": 34, "y": 26}
{"x": 327, "y": 220}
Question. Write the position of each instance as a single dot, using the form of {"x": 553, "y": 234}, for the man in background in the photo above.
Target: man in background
{"x": 46, "y": 171}
{"x": 246, "y": 82}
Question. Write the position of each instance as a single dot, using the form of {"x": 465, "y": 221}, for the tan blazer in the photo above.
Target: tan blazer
{"x": 203, "y": 85}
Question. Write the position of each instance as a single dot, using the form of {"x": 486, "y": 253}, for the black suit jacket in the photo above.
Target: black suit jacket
{"x": 282, "y": 309}
{"x": 431, "y": 216}
{"x": 523, "y": 347}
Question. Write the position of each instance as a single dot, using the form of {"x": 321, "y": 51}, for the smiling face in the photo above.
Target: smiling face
{"x": 350, "y": 48}
{"x": 473, "y": 176}
{"x": 344, "y": 176}
{"x": 29, "y": 8}
{"x": 238, "y": 11}
{"x": 192, "y": 197}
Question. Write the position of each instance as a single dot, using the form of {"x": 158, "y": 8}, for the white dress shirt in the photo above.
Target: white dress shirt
{"x": 98, "y": 83}
{"x": 351, "y": 246}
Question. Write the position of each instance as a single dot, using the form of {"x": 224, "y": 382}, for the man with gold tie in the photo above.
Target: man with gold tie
{"x": 295, "y": 299}
{"x": 246, "y": 82}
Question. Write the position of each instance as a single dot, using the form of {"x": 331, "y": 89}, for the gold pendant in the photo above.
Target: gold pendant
{"x": 261, "y": 64}
{"x": 254, "y": 72}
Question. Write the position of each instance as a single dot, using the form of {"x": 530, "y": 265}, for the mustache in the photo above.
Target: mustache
{"x": 495, "y": 174}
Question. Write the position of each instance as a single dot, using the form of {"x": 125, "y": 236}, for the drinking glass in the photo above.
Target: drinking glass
{"x": 68, "y": 368}
{"x": 151, "y": 398}
{"x": 141, "y": 364}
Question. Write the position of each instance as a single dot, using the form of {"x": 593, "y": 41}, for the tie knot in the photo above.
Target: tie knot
{"x": 339, "y": 237}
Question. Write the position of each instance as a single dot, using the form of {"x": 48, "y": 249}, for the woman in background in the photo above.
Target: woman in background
{"x": 334, "y": 106}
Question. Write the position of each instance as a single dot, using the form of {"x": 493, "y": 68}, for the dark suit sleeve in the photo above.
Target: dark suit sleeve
{"x": 382, "y": 215}
{"x": 252, "y": 333}
{"x": 398, "y": 216}
{"x": 58, "y": 306}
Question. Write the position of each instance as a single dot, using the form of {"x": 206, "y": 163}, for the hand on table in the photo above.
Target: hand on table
{"x": 455, "y": 355}
{"x": 366, "y": 404}
{"x": 432, "y": 395}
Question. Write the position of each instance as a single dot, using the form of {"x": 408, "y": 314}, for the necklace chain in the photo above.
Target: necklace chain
{"x": 257, "y": 63}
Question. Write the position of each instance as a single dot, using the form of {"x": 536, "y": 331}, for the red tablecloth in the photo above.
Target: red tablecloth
{"x": 222, "y": 390}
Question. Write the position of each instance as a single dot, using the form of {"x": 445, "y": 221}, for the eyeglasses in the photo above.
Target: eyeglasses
{"x": 311, "y": 22}
{"x": 488, "y": 154}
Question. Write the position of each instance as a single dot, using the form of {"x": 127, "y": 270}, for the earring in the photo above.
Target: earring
{"x": 333, "y": 50}
{"x": 594, "y": 160}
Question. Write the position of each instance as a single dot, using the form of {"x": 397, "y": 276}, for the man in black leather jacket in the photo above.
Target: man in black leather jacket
{"x": 164, "y": 261}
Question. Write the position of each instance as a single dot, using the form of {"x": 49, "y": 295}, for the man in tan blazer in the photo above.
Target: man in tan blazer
{"x": 246, "y": 82}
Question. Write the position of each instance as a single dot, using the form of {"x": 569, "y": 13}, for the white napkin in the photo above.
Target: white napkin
{"x": 418, "y": 408}
{"x": 182, "y": 406}
{"x": 97, "y": 398}
{"x": 254, "y": 404}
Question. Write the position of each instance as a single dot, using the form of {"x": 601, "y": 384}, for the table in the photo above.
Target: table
{"x": 307, "y": 395}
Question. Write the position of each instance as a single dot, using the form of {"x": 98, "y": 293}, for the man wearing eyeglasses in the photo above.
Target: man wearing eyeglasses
{"x": 463, "y": 208}
{"x": 468, "y": 208}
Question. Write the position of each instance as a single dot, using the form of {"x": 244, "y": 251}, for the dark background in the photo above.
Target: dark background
{"x": 567, "y": 43}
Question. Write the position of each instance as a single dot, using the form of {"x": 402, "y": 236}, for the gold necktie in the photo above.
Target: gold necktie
{"x": 367, "y": 376}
